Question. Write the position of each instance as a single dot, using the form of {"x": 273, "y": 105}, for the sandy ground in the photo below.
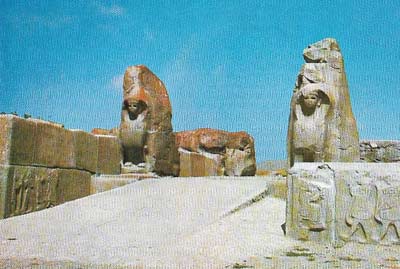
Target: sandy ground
{"x": 175, "y": 223}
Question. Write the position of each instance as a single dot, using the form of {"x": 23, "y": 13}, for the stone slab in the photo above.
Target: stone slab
{"x": 108, "y": 155}
{"x": 340, "y": 202}
{"x": 154, "y": 223}
{"x": 85, "y": 146}
{"x": 109, "y": 182}
{"x": 25, "y": 189}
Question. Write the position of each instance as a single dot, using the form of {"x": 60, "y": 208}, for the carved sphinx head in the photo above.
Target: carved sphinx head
{"x": 309, "y": 101}
{"x": 134, "y": 107}
{"x": 311, "y": 98}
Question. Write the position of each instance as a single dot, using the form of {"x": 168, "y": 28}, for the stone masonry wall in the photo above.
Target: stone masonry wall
{"x": 380, "y": 151}
{"x": 42, "y": 164}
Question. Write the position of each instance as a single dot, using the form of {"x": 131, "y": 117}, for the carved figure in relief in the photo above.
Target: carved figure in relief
{"x": 46, "y": 191}
{"x": 22, "y": 195}
{"x": 309, "y": 123}
{"x": 362, "y": 210}
{"x": 312, "y": 212}
{"x": 388, "y": 209}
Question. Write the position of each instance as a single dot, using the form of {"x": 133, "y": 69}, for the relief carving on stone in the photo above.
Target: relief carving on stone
{"x": 388, "y": 211}
{"x": 32, "y": 190}
{"x": 312, "y": 208}
{"x": 360, "y": 215}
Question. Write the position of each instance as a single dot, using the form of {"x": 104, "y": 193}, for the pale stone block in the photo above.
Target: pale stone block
{"x": 108, "y": 155}
{"x": 384, "y": 151}
{"x": 85, "y": 146}
{"x": 311, "y": 194}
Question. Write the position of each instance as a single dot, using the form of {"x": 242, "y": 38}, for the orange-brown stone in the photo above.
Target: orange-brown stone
{"x": 145, "y": 131}
{"x": 222, "y": 153}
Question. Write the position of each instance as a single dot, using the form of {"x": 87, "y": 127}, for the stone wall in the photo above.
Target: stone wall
{"x": 380, "y": 151}
{"x": 42, "y": 164}
{"x": 340, "y": 202}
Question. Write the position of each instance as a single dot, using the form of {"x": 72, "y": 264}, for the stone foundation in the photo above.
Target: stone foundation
{"x": 335, "y": 202}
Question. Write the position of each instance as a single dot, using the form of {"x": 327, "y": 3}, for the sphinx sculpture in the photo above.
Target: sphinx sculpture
{"x": 147, "y": 140}
{"x": 322, "y": 126}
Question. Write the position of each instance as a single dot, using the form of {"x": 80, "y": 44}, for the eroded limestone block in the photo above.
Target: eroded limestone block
{"x": 35, "y": 142}
{"x": 72, "y": 184}
{"x": 322, "y": 126}
{"x": 194, "y": 164}
{"x": 24, "y": 189}
{"x": 85, "y": 150}
{"x": 378, "y": 151}
{"x": 361, "y": 202}
{"x": 146, "y": 131}
{"x": 17, "y": 140}
{"x": 223, "y": 153}
{"x": 108, "y": 155}
{"x": 54, "y": 145}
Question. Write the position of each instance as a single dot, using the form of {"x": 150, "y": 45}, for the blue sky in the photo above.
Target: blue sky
{"x": 229, "y": 65}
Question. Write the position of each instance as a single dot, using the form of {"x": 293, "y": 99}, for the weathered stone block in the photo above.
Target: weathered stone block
{"x": 72, "y": 184}
{"x": 185, "y": 164}
{"x": 197, "y": 165}
{"x": 17, "y": 140}
{"x": 24, "y": 189}
{"x": 54, "y": 145}
{"x": 4, "y": 190}
{"x": 378, "y": 151}
{"x": 85, "y": 146}
{"x": 5, "y": 136}
{"x": 222, "y": 153}
{"x": 344, "y": 202}
{"x": 311, "y": 194}
{"x": 108, "y": 155}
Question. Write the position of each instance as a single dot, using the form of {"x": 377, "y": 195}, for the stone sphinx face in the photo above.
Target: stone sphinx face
{"x": 134, "y": 108}
{"x": 309, "y": 101}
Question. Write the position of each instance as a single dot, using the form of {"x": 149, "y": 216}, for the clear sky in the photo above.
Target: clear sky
{"x": 229, "y": 65}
